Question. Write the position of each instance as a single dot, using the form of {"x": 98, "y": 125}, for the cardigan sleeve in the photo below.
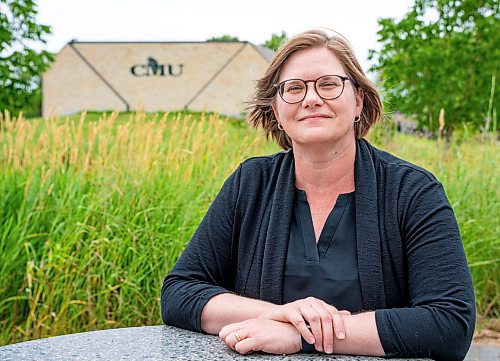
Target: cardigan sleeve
{"x": 440, "y": 317}
{"x": 204, "y": 268}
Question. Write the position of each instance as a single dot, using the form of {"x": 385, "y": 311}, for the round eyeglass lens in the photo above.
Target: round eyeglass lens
{"x": 329, "y": 87}
{"x": 293, "y": 91}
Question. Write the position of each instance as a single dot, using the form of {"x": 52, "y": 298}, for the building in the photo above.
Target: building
{"x": 162, "y": 76}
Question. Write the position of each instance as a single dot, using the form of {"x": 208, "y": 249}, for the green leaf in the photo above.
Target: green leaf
{"x": 428, "y": 63}
{"x": 20, "y": 66}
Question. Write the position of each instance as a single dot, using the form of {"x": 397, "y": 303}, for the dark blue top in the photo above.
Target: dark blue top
{"x": 327, "y": 270}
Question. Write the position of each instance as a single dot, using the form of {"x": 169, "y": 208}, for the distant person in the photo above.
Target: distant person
{"x": 331, "y": 245}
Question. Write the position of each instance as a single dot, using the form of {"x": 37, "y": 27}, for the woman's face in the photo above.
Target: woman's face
{"x": 315, "y": 120}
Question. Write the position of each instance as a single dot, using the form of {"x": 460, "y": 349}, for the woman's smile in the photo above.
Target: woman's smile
{"x": 315, "y": 117}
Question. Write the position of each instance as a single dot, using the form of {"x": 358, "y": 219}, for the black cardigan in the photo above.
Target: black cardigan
{"x": 412, "y": 266}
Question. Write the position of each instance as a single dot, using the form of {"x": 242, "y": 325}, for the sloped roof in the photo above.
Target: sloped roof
{"x": 267, "y": 53}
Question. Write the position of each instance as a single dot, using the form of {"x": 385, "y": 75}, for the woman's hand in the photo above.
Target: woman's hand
{"x": 261, "y": 335}
{"x": 323, "y": 320}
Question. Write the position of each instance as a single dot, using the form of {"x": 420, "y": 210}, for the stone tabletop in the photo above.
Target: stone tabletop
{"x": 144, "y": 343}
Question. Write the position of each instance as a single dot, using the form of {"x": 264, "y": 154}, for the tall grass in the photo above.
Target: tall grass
{"x": 469, "y": 172}
{"x": 94, "y": 213}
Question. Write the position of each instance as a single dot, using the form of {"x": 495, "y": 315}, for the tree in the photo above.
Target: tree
{"x": 20, "y": 65}
{"x": 276, "y": 40}
{"x": 449, "y": 62}
{"x": 223, "y": 38}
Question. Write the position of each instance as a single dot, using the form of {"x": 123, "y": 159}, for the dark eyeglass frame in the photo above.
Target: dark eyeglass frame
{"x": 280, "y": 90}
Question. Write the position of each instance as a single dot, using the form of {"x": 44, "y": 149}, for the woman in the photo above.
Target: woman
{"x": 333, "y": 240}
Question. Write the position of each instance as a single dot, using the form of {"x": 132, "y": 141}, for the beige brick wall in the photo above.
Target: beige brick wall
{"x": 71, "y": 86}
{"x": 234, "y": 85}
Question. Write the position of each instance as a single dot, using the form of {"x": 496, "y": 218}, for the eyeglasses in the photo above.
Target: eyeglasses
{"x": 328, "y": 87}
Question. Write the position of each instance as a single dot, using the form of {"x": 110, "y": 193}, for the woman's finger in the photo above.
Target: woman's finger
{"x": 231, "y": 340}
{"x": 338, "y": 323}
{"x": 327, "y": 326}
{"x": 226, "y": 330}
{"x": 313, "y": 318}
{"x": 248, "y": 345}
{"x": 235, "y": 337}
{"x": 338, "y": 326}
{"x": 231, "y": 329}
{"x": 294, "y": 316}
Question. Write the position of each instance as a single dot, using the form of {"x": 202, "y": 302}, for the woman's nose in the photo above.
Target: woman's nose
{"x": 312, "y": 97}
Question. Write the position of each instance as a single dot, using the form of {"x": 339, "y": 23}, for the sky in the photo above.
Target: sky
{"x": 198, "y": 20}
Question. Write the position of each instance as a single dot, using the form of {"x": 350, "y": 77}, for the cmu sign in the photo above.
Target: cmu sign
{"x": 154, "y": 76}
{"x": 153, "y": 68}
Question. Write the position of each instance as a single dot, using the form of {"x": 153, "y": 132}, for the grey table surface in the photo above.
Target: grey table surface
{"x": 157, "y": 343}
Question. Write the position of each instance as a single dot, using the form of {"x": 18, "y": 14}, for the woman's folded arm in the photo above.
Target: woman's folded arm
{"x": 440, "y": 317}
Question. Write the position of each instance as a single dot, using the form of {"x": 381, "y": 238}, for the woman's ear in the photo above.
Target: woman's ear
{"x": 275, "y": 112}
{"x": 359, "y": 100}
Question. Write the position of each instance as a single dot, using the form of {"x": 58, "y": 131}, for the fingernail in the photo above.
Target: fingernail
{"x": 341, "y": 335}
{"x": 329, "y": 349}
{"x": 311, "y": 341}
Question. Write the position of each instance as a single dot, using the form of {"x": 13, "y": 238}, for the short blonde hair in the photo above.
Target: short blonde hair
{"x": 260, "y": 107}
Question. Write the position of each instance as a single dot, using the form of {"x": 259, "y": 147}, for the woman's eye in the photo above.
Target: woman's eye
{"x": 294, "y": 89}
{"x": 329, "y": 85}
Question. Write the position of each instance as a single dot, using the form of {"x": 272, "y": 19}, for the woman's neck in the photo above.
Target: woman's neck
{"x": 325, "y": 170}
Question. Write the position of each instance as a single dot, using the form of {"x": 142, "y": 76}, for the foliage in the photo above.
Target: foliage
{"x": 276, "y": 40}
{"x": 274, "y": 43}
{"x": 223, "y": 38}
{"x": 94, "y": 212}
{"x": 442, "y": 54}
{"x": 20, "y": 64}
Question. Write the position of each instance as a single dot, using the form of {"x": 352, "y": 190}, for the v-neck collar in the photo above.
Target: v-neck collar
{"x": 316, "y": 251}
